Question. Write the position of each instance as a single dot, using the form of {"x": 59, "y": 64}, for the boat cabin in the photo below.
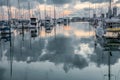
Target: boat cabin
{"x": 33, "y": 21}
{"x": 112, "y": 25}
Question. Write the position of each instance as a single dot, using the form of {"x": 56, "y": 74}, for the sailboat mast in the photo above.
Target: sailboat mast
{"x": 109, "y": 67}
{"x": 110, "y": 11}
{"x": 29, "y": 9}
{"x": 54, "y": 18}
{"x": 8, "y": 9}
{"x": 54, "y": 12}
{"x": 15, "y": 14}
{"x": 110, "y": 4}
{"x": 11, "y": 60}
{"x": 45, "y": 8}
{"x": 3, "y": 16}
{"x": 18, "y": 9}
{"x": 1, "y": 12}
{"x": 39, "y": 11}
{"x": 9, "y": 17}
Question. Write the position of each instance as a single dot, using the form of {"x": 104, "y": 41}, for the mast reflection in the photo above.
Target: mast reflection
{"x": 109, "y": 45}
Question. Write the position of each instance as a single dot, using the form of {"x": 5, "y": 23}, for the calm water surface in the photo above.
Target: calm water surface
{"x": 67, "y": 53}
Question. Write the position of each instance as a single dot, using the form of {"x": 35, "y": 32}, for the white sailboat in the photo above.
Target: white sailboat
{"x": 5, "y": 25}
{"x": 109, "y": 26}
{"x": 49, "y": 23}
{"x": 33, "y": 20}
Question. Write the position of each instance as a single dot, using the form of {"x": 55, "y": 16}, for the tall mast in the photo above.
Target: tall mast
{"x": 3, "y": 16}
{"x": 50, "y": 12}
{"x": 29, "y": 9}
{"x": 110, "y": 4}
{"x": 18, "y": 9}
{"x": 45, "y": 8}
{"x": 54, "y": 11}
{"x": 1, "y": 12}
{"x": 54, "y": 18}
{"x": 9, "y": 18}
{"x": 39, "y": 11}
{"x": 8, "y": 9}
{"x": 15, "y": 14}
{"x": 110, "y": 11}
{"x": 11, "y": 60}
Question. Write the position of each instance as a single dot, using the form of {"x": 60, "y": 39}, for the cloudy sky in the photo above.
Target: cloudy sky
{"x": 63, "y": 7}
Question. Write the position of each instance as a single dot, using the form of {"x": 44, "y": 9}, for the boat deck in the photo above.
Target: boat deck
{"x": 113, "y": 29}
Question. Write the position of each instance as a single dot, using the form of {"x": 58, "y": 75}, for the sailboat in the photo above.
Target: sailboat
{"x": 33, "y": 28}
{"x": 49, "y": 23}
{"x": 33, "y": 19}
{"x": 95, "y": 20}
{"x": 33, "y": 22}
{"x": 66, "y": 21}
{"x": 110, "y": 25}
{"x": 5, "y": 26}
{"x": 109, "y": 45}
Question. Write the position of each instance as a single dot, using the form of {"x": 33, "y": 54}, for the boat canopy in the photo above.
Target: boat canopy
{"x": 47, "y": 18}
{"x": 112, "y": 20}
{"x": 33, "y": 19}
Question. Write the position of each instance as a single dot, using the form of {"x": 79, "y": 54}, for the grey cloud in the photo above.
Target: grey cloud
{"x": 118, "y": 1}
{"x": 95, "y": 1}
{"x": 58, "y": 1}
{"x": 62, "y": 1}
{"x": 3, "y": 2}
{"x": 15, "y": 2}
{"x": 22, "y": 3}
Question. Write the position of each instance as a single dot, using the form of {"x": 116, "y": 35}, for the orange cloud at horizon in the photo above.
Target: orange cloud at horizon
{"x": 66, "y": 12}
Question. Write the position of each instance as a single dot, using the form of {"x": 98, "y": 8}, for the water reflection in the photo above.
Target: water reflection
{"x": 108, "y": 54}
{"x": 60, "y": 50}
{"x": 67, "y": 53}
{"x": 106, "y": 45}
{"x": 2, "y": 71}
{"x": 25, "y": 50}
